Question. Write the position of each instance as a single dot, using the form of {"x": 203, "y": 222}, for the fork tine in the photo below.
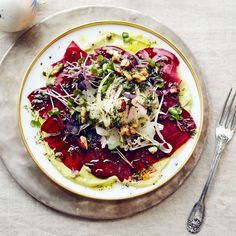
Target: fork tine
{"x": 224, "y": 108}
{"x": 229, "y": 112}
{"x": 233, "y": 121}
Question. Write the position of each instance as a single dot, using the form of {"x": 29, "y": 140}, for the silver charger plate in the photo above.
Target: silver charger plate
{"x": 12, "y": 151}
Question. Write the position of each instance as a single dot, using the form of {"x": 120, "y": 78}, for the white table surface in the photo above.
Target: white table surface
{"x": 209, "y": 29}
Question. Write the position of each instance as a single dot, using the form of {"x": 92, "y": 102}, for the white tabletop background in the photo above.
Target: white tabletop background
{"x": 209, "y": 29}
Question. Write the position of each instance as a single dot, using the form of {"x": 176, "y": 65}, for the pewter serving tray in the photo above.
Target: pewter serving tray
{"x": 13, "y": 153}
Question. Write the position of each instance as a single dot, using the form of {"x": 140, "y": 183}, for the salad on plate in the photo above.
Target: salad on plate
{"x": 112, "y": 113}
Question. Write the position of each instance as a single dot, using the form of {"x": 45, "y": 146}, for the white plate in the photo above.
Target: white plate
{"x": 54, "y": 52}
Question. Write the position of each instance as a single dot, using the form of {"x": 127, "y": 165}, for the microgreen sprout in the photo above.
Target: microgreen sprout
{"x": 100, "y": 58}
{"x": 174, "y": 113}
{"x": 35, "y": 123}
{"x": 54, "y": 111}
{"x": 151, "y": 62}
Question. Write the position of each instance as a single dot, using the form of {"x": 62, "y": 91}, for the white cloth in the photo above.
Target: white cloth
{"x": 209, "y": 29}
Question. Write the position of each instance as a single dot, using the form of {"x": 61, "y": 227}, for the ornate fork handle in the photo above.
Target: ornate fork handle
{"x": 196, "y": 216}
{"x": 224, "y": 133}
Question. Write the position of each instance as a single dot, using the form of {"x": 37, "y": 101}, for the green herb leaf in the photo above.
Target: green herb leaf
{"x": 35, "y": 123}
{"x": 77, "y": 92}
{"x": 78, "y": 117}
{"x": 100, "y": 72}
{"x": 80, "y": 61}
{"x": 129, "y": 86}
{"x": 108, "y": 67}
{"x": 151, "y": 62}
{"x": 156, "y": 70}
{"x": 174, "y": 113}
{"x": 93, "y": 69}
{"x": 100, "y": 58}
{"x": 50, "y": 81}
{"x": 193, "y": 134}
{"x": 160, "y": 84}
{"x": 54, "y": 111}
{"x": 107, "y": 84}
{"x": 72, "y": 111}
{"x": 92, "y": 121}
{"x": 56, "y": 69}
{"x": 77, "y": 109}
{"x": 148, "y": 100}
{"x": 143, "y": 86}
{"x": 82, "y": 101}
{"x": 125, "y": 35}
{"x": 70, "y": 102}
{"x": 75, "y": 80}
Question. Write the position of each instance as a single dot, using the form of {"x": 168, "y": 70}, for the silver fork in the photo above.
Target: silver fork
{"x": 224, "y": 133}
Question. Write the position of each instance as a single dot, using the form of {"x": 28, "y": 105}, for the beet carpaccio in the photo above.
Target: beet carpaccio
{"x": 115, "y": 112}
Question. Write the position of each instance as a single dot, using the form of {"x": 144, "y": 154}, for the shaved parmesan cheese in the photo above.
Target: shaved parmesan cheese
{"x": 102, "y": 131}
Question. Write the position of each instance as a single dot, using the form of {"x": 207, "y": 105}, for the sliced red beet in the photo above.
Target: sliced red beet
{"x": 100, "y": 161}
{"x": 170, "y": 101}
{"x": 187, "y": 123}
{"x": 107, "y": 52}
{"x": 53, "y": 125}
{"x": 174, "y": 135}
{"x": 158, "y": 55}
{"x": 103, "y": 169}
{"x": 62, "y": 80}
{"x": 73, "y": 53}
{"x": 124, "y": 171}
{"x": 104, "y": 164}
{"x": 40, "y": 102}
{"x": 169, "y": 73}
{"x": 167, "y": 60}
{"x": 72, "y": 160}
{"x": 56, "y": 143}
